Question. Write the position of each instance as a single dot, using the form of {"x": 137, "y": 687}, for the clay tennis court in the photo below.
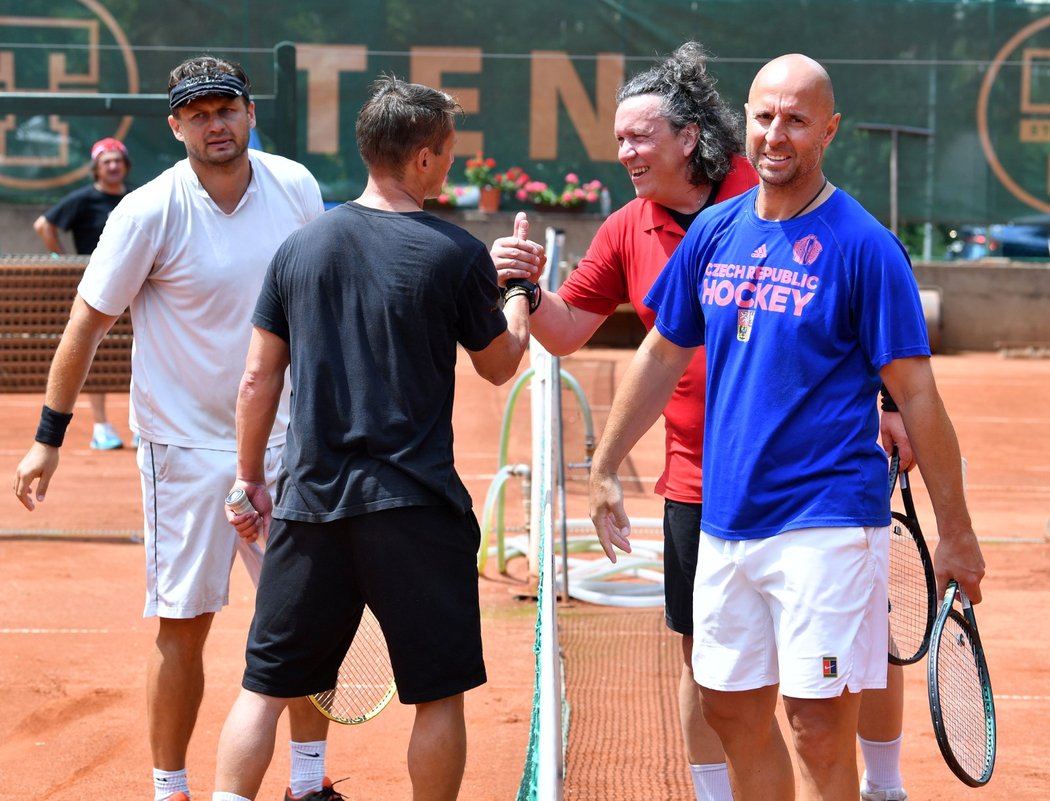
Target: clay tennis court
{"x": 73, "y": 643}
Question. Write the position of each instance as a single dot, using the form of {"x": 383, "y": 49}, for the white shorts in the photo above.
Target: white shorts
{"x": 189, "y": 543}
{"x": 805, "y": 609}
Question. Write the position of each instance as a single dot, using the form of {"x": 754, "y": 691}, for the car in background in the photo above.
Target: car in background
{"x": 1023, "y": 238}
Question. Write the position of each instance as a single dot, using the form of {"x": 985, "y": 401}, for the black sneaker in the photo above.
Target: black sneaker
{"x": 326, "y": 793}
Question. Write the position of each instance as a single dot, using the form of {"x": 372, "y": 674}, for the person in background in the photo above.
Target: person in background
{"x": 680, "y": 144}
{"x": 187, "y": 252}
{"x": 83, "y": 212}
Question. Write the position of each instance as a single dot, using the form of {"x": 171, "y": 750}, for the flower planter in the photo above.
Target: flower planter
{"x": 555, "y": 208}
{"x": 488, "y": 200}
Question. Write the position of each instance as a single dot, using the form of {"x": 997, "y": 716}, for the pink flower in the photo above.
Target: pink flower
{"x": 572, "y": 178}
{"x": 521, "y": 194}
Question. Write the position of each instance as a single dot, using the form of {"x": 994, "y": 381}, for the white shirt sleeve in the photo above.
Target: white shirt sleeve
{"x": 120, "y": 264}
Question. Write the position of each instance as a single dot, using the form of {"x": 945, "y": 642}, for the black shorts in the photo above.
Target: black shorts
{"x": 681, "y": 542}
{"x": 415, "y": 567}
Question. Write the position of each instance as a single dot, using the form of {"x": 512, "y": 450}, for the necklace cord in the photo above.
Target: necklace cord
{"x": 812, "y": 200}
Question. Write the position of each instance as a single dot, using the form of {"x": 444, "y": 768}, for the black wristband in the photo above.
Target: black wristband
{"x": 52, "y": 428}
{"x": 887, "y": 402}
{"x": 531, "y": 291}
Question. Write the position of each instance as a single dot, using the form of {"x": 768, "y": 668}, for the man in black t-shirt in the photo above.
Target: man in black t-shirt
{"x": 367, "y": 307}
{"x": 84, "y": 212}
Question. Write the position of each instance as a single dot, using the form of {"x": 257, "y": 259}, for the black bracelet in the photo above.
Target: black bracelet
{"x": 529, "y": 289}
{"x": 514, "y": 292}
{"x": 887, "y": 402}
{"x": 52, "y": 428}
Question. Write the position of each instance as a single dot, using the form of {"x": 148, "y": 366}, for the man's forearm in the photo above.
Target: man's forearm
{"x": 48, "y": 234}
{"x": 561, "y": 328}
{"x": 936, "y": 450}
{"x": 257, "y": 403}
{"x": 73, "y": 357}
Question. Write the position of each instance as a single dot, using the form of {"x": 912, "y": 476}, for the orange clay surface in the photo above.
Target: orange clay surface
{"x": 73, "y": 644}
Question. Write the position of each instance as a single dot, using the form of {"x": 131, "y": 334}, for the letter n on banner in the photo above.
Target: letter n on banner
{"x": 555, "y": 78}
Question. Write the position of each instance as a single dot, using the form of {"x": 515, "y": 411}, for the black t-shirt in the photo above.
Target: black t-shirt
{"x": 84, "y": 212}
{"x": 372, "y": 304}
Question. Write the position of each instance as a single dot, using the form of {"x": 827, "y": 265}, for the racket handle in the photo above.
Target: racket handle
{"x": 238, "y": 501}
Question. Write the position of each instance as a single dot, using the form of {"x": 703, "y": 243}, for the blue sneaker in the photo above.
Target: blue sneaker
{"x": 106, "y": 439}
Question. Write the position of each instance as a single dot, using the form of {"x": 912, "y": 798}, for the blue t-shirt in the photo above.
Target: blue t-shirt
{"x": 798, "y": 317}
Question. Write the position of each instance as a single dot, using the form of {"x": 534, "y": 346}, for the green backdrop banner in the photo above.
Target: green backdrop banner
{"x": 957, "y": 95}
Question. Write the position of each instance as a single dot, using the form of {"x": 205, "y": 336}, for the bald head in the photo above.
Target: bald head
{"x": 791, "y": 120}
{"x": 798, "y": 76}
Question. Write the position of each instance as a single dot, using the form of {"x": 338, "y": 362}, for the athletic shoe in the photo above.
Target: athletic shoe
{"x": 106, "y": 441}
{"x": 882, "y": 795}
{"x": 326, "y": 793}
{"x": 179, "y": 796}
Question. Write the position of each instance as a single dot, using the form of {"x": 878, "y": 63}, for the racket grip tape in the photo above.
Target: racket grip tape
{"x": 238, "y": 501}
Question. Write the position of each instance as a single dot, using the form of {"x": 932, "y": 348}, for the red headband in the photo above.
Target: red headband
{"x": 106, "y": 145}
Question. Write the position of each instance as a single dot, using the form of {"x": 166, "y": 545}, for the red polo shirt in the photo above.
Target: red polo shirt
{"x": 628, "y": 252}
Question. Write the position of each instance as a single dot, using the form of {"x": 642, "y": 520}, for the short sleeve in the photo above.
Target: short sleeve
{"x": 62, "y": 214}
{"x": 885, "y": 303}
{"x": 675, "y": 296}
{"x": 269, "y": 311}
{"x": 599, "y": 283}
{"x": 119, "y": 266}
{"x": 479, "y": 313}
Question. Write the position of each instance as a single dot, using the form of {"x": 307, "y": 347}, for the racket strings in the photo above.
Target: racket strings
{"x": 961, "y": 699}
{"x": 910, "y": 609}
{"x": 365, "y": 682}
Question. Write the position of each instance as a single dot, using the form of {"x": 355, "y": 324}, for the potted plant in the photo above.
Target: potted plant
{"x": 512, "y": 180}
{"x": 481, "y": 172}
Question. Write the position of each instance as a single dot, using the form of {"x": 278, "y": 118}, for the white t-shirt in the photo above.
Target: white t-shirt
{"x": 191, "y": 275}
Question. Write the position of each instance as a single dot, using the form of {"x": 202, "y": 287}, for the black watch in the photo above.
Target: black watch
{"x": 532, "y": 291}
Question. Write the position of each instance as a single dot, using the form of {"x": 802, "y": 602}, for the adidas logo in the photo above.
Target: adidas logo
{"x": 759, "y": 252}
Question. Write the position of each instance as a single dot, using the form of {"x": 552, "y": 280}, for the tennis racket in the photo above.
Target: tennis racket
{"x": 912, "y": 586}
{"x": 366, "y": 679}
{"x": 365, "y": 683}
{"x": 895, "y": 466}
{"x": 960, "y": 690}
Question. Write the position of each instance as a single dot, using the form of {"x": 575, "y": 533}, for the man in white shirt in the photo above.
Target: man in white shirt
{"x": 187, "y": 252}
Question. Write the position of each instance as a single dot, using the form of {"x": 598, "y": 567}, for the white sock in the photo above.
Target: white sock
{"x": 228, "y": 797}
{"x": 307, "y": 766}
{"x": 168, "y": 782}
{"x": 882, "y": 763}
{"x": 711, "y": 782}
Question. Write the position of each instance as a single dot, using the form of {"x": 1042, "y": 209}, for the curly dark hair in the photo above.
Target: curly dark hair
{"x": 398, "y": 119}
{"x": 689, "y": 96}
